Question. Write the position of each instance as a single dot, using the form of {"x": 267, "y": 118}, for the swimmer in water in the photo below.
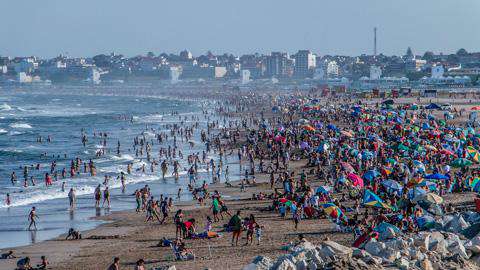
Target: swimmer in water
{"x": 8, "y": 201}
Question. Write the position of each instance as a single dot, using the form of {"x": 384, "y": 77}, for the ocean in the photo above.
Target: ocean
{"x": 24, "y": 116}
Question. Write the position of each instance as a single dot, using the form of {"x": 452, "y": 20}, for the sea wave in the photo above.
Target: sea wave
{"x": 20, "y": 125}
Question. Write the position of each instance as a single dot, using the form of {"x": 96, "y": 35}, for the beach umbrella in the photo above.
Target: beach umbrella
{"x": 419, "y": 166}
{"x": 447, "y": 152}
{"x": 430, "y": 147}
{"x": 436, "y": 176}
{"x": 283, "y": 200}
{"x": 388, "y": 102}
{"x": 461, "y": 162}
{"x": 425, "y": 126}
{"x": 367, "y": 155}
{"x": 370, "y": 175}
{"x": 347, "y": 167}
{"x": 332, "y": 127}
{"x": 372, "y": 199}
{"x": 303, "y": 121}
{"x": 346, "y": 133}
{"x": 412, "y": 193}
{"x": 308, "y": 128}
{"x": 333, "y": 211}
{"x": 391, "y": 161}
{"x": 386, "y": 170}
{"x": 304, "y": 145}
{"x": 324, "y": 189}
{"x": 473, "y": 153}
{"x": 392, "y": 184}
{"x": 356, "y": 180}
{"x": 428, "y": 197}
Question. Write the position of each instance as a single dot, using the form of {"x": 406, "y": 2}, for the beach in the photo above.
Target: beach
{"x": 126, "y": 235}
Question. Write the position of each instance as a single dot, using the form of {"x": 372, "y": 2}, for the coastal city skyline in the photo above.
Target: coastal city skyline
{"x": 344, "y": 28}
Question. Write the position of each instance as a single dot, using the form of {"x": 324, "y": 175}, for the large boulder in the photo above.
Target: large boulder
{"x": 402, "y": 263}
{"x": 457, "y": 248}
{"x": 456, "y": 224}
{"x": 373, "y": 247}
{"x": 338, "y": 249}
{"x": 284, "y": 263}
{"x": 426, "y": 265}
{"x": 422, "y": 240}
{"x": 302, "y": 265}
{"x": 259, "y": 263}
{"x": 389, "y": 255}
{"x": 473, "y": 244}
{"x": 303, "y": 246}
{"x": 359, "y": 253}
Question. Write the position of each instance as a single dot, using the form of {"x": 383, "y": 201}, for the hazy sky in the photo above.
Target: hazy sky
{"x": 88, "y": 27}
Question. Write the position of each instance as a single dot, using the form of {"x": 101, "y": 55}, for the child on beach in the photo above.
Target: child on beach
{"x": 258, "y": 233}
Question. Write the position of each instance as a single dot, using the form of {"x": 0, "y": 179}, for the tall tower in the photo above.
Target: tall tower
{"x": 375, "y": 41}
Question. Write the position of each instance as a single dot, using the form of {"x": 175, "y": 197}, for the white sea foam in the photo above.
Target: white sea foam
{"x": 123, "y": 157}
{"x": 20, "y": 125}
{"x": 3, "y": 131}
{"x": 5, "y": 107}
{"x": 43, "y": 194}
{"x": 14, "y": 133}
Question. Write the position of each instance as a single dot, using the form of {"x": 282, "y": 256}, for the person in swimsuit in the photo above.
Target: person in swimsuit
{"x": 32, "y": 217}
{"x": 98, "y": 196}
{"x": 106, "y": 197}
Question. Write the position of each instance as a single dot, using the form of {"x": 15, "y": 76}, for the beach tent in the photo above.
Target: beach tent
{"x": 392, "y": 184}
{"x": 356, "y": 180}
{"x": 473, "y": 153}
{"x": 370, "y": 175}
{"x": 372, "y": 199}
{"x": 388, "y": 102}
{"x": 436, "y": 176}
{"x": 384, "y": 226}
{"x": 324, "y": 189}
{"x": 428, "y": 197}
{"x": 347, "y": 167}
{"x": 426, "y": 222}
{"x": 432, "y": 106}
{"x": 461, "y": 163}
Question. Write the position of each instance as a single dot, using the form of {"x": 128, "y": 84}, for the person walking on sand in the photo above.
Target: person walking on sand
{"x": 72, "y": 198}
{"x": 115, "y": 265}
{"x": 236, "y": 226}
{"x": 32, "y": 217}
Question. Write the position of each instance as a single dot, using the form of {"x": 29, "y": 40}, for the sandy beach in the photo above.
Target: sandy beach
{"x": 127, "y": 236}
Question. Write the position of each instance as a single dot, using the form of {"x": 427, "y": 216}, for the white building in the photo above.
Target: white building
{"x": 375, "y": 72}
{"x": 175, "y": 73}
{"x": 3, "y": 69}
{"x": 95, "y": 75}
{"x": 332, "y": 69}
{"x": 22, "y": 77}
{"x": 245, "y": 76}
